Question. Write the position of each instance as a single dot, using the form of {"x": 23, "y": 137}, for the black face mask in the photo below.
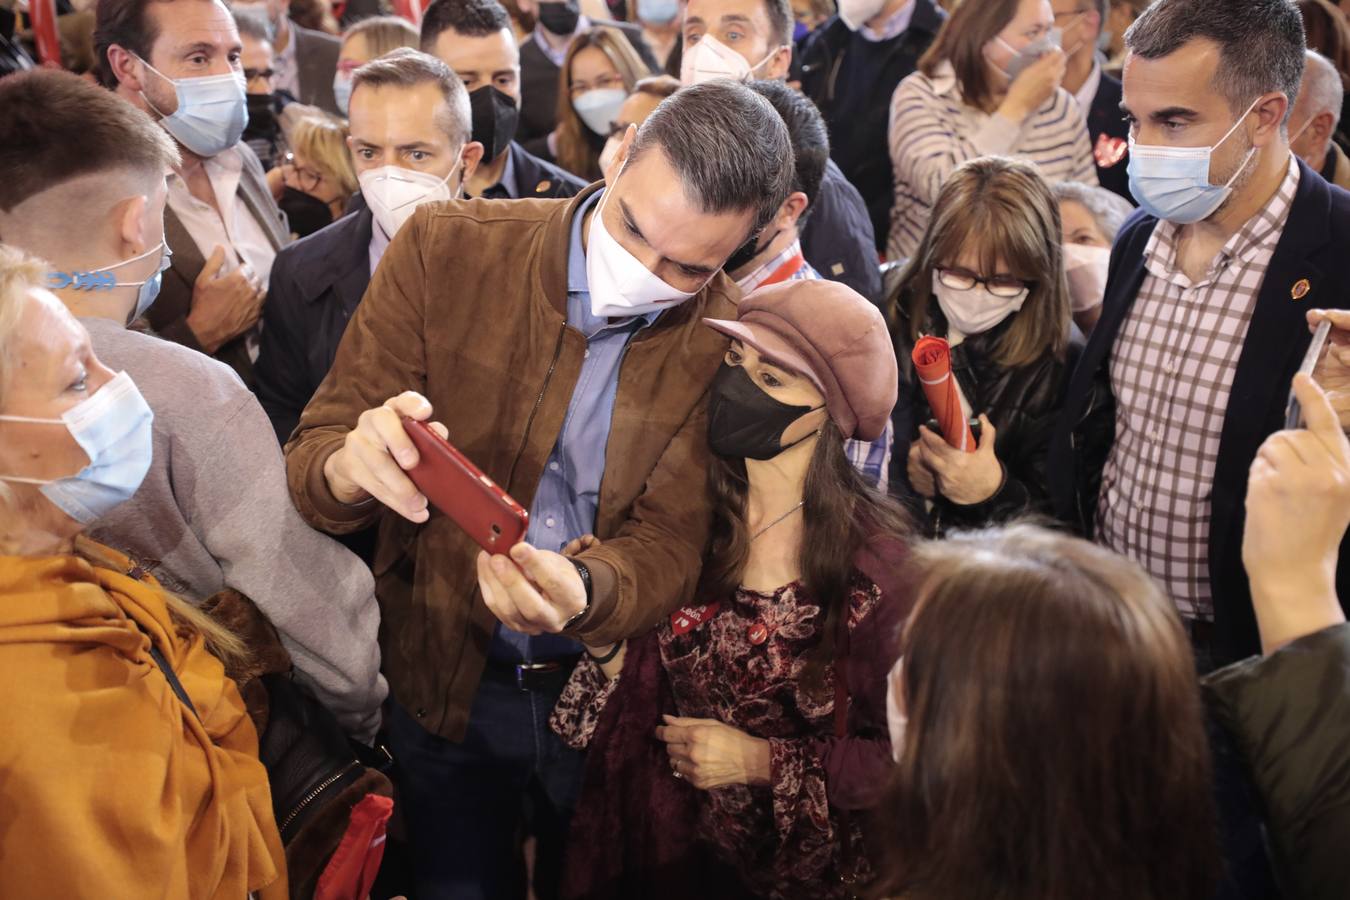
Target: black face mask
{"x": 748, "y": 251}
{"x": 306, "y": 214}
{"x": 560, "y": 18}
{"x": 745, "y": 422}
{"x": 262, "y": 117}
{"x": 495, "y": 118}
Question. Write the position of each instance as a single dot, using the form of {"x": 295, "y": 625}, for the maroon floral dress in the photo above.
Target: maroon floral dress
{"x": 743, "y": 665}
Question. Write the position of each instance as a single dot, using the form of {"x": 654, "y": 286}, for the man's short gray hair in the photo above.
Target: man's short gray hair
{"x": 728, "y": 145}
{"x": 1108, "y": 210}
{"x": 408, "y": 68}
{"x": 1260, "y": 41}
{"x": 1323, "y": 85}
{"x": 253, "y": 24}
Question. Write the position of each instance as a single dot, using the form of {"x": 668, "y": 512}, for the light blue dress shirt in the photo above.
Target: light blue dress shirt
{"x": 568, "y": 496}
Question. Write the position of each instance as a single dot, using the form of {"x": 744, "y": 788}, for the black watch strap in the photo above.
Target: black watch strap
{"x": 585, "y": 574}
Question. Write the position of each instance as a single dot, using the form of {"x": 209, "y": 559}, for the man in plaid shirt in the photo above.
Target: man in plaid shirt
{"x": 1204, "y": 322}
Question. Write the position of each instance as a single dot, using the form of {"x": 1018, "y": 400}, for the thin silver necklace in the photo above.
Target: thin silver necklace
{"x": 777, "y": 520}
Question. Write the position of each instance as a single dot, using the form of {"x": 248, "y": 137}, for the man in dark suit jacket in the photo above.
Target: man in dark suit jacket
{"x": 1097, "y": 93}
{"x": 306, "y": 60}
{"x": 541, "y": 58}
{"x": 474, "y": 38}
{"x": 221, "y": 223}
{"x": 1203, "y": 327}
{"x": 317, "y": 283}
{"x": 851, "y": 72}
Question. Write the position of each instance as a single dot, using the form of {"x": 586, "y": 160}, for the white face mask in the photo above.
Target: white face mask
{"x": 1026, "y": 57}
{"x": 974, "y": 311}
{"x": 611, "y": 150}
{"x": 393, "y": 193}
{"x": 598, "y": 108}
{"x": 711, "y": 59}
{"x": 1085, "y": 268}
{"x": 857, "y": 13}
{"x": 620, "y": 284}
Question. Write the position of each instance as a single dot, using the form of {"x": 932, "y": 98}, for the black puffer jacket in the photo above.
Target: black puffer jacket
{"x": 1022, "y": 403}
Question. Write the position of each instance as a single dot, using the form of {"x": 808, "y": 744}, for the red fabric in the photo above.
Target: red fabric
{"x": 42, "y": 14}
{"x": 933, "y": 362}
{"x": 351, "y": 871}
{"x": 785, "y": 271}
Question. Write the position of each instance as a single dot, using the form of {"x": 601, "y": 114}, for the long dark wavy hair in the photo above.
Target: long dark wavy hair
{"x": 841, "y": 513}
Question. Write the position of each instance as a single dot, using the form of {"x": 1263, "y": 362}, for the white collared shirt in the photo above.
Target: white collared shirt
{"x": 233, "y": 227}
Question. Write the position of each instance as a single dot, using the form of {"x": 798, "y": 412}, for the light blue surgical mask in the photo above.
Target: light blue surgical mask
{"x": 342, "y": 90}
{"x": 113, "y": 427}
{"x": 1028, "y": 55}
{"x": 212, "y": 111}
{"x": 1172, "y": 183}
{"x": 658, "y": 12}
{"x": 103, "y": 280}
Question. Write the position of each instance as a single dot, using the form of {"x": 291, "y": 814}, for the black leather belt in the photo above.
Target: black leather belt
{"x": 538, "y": 675}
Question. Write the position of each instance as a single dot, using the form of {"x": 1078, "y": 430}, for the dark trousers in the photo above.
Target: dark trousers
{"x": 467, "y": 807}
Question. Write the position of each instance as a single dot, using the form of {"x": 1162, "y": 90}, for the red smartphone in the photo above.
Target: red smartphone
{"x": 458, "y": 488}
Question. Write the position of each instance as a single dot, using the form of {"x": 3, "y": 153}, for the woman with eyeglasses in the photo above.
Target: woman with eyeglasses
{"x": 988, "y": 276}
{"x": 317, "y": 178}
{"x": 600, "y": 71}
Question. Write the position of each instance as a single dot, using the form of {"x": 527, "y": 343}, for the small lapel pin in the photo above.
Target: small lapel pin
{"x": 542, "y": 186}
{"x": 1300, "y": 289}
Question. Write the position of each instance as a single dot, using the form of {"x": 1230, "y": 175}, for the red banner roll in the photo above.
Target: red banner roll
{"x": 933, "y": 362}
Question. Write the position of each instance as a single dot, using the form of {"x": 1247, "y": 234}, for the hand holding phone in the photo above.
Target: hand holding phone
{"x": 458, "y": 488}
{"x": 374, "y": 456}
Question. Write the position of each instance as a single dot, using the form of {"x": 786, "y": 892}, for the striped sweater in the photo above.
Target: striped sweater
{"x": 932, "y": 132}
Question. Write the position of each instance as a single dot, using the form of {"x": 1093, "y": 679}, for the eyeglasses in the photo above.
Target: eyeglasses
{"x": 604, "y": 82}
{"x": 305, "y": 179}
{"x": 250, "y": 74}
{"x": 1005, "y": 286}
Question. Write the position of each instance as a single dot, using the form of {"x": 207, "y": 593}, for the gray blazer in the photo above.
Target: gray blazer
{"x": 316, "y": 56}
{"x": 168, "y": 316}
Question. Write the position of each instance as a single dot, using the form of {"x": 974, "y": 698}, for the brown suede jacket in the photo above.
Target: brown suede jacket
{"x": 468, "y": 309}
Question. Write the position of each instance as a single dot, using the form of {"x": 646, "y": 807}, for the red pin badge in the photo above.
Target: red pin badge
{"x": 758, "y": 633}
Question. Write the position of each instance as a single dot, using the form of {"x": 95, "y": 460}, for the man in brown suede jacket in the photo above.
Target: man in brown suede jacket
{"x": 561, "y": 344}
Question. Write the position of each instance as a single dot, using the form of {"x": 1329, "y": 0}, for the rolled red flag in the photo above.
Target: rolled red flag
{"x": 933, "y": 362}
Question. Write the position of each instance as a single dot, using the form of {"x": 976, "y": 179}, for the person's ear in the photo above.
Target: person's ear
{"x": 620, "y": 156}
{"x": 126, "y": 68}
{"x": 793, "y": 208}
{"x": 131, "y": 229}
{"x": 1270, "y": 111}
{"x": 780, "y": 64}
{"x": 1323, "y": 125}
{"x": 472, "y": 155}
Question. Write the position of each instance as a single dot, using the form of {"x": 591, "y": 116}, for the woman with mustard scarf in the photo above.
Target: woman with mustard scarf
{"x": 112, "y": 783}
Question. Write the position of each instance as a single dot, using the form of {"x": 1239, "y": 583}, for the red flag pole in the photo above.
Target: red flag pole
{"x": 42, "y": 17}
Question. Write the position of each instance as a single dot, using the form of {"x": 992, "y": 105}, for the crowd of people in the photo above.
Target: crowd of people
{"x": 926, "y": 422}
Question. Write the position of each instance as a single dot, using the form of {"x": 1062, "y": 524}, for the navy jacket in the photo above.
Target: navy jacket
{"x": 837, "y": 237}
{"x": 1105, "y": 120}
{"x": 851, "y": 81}
{"x": 1312, "y": 247}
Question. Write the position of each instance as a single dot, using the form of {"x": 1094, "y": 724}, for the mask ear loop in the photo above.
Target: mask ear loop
{"x": 809, "y": 434}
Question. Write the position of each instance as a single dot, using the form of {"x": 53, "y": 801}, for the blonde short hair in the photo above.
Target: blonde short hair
{"x": 19, "y": 274}
{"x": 322, "y": 141}
{"x": 383, "y": 34}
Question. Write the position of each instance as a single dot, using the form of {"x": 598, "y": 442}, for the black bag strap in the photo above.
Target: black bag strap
{"x": 169, "y": 675}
